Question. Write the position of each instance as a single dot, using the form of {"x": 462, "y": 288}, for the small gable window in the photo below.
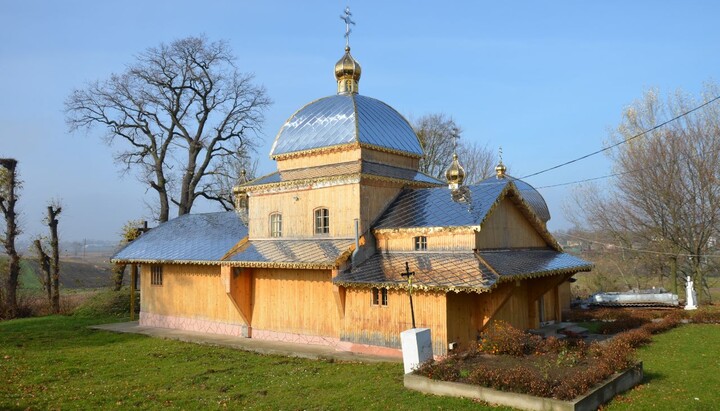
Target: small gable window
{"x": 420, "y": 243}
{"x": 275, "y": 225}
{"x": 379, "y": 296}
{"x": 322, "y": 221}
{"x": 156, "y": 275}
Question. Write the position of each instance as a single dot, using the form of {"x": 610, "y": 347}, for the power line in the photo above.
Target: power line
{"x": 680, "y": 157}
{"x": 637, "y": 249}
{"x": 624, "y": 141}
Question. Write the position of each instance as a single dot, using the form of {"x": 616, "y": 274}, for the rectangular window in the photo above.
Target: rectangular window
{"x": 156, "y": 277}
{"x": 322, "y": 221}
{"x": 379, "y": 296}
{"x": 276, "y": 225}
{"x": 421, "y": 243}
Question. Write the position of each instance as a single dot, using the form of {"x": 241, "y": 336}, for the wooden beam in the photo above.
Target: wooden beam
{"x": 133, "y": 278}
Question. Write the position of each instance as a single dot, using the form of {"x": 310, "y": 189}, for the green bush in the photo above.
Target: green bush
{"x": 108, "y": 303}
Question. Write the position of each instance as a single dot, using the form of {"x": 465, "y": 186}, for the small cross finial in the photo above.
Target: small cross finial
{"x": 347, "y": 18}
{"x": 455, "y": 136}
{"x": 500, "y": 154}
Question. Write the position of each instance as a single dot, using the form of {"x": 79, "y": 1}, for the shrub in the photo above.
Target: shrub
{"x": 623, "y": 324}
{"x": 108, "y": 303}
{"x": 706, "y": 315}
{"x": 502, "y": 338}
{"x": 635, "y": 338}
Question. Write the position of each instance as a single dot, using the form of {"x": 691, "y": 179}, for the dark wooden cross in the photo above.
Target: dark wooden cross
{"x": 409, "y": 274}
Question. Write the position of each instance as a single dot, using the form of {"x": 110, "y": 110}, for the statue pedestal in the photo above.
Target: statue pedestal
{"x": 416, "y": 347}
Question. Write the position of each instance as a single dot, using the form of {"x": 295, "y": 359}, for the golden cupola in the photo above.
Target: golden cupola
{"x": 500, "y": 169}
{"x": 347, "y": 73}
{"x": 455, "y": 174}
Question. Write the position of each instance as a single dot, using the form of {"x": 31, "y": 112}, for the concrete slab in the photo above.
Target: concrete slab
{"x": 314, "y": 352}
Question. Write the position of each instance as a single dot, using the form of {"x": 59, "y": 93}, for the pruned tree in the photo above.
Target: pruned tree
{"x": 129, "y": 232}
{"x": 9, "y": 187}
{"x": 50, "y": 264}
{"x": 440, "y": 137}
{"x": 44, "y": 262}
{"x": 178, "y": 112}
{"x": 666, "y": 197}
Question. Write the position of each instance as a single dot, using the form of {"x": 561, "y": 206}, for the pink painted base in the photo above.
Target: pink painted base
{"x": 191, "y": 324}
{"x": 240, "y": 330}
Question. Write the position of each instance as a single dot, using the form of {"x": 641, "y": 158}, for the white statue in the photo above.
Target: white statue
{"x": 691, "y": 297}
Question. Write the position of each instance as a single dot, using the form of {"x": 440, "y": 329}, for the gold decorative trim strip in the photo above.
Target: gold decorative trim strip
{"x": 318, "y": 150}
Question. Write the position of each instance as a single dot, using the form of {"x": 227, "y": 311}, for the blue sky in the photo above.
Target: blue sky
{"x": 544, "y": 80}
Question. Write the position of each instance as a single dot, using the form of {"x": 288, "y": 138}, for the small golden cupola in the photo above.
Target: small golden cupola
{"x": 455, "y": 174}
{"x": 241, "y": 199}
{"x": 500, "y": 169}
{"x": 347, "y": 70}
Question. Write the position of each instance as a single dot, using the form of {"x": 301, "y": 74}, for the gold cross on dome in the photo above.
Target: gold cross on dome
{"x": 347, "y": 18}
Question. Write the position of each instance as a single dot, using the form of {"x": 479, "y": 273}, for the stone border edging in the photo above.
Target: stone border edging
{"x": 602, "y": 393}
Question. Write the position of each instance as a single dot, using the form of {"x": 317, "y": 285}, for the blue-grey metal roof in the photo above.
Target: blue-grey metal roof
{"x": 530, "y": 262}
{"x": 314, "y": 252}
{"x": 347, "y": 168}
{"x": 345, "y": 119}
{"x": 441, "y": 207}
{"x": 461, "y": 271}
{"x": 445, "y": 270}
{"x": 188, "y": 238}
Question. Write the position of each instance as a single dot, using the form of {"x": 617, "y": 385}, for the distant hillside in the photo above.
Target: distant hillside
{"x": 80, "y": 274}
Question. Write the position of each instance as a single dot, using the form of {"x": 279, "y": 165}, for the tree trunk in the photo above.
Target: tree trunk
{"x": 673, "y": 274}
{"x": 44, "y": 261}
{"x": 7, "y": 206}
{"x": 53, "y": 212}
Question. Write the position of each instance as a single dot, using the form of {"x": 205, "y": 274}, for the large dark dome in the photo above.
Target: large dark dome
{"x": 346, "y": 119}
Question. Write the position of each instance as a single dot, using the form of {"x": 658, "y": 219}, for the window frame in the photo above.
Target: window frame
{"x": 321, "y": 214}
{"x": 420, "y": 243}
{"x": 379, "y": 296}
{"x": 273, "y": 225}
{"x": 156, "y": 275}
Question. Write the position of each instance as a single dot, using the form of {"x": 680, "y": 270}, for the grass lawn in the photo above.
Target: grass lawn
{"x": 682, "y": 372}
{"x": 56, "y": 362}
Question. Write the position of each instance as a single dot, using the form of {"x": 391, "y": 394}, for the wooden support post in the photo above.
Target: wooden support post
{"x": 237, "y": 286}
{"x": 339, "y": 294}
{"x": 133, "y": 282}
{"x": 558, "y": 309}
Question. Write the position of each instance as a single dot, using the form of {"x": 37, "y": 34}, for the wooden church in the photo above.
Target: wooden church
{"x": 315, "y": 252}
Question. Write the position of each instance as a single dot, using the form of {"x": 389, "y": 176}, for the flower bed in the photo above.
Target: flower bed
{"x": 508, "y": 359}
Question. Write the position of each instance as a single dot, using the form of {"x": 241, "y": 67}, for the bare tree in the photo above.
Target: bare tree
{"x": 666, "y": 199}
{"x": 478, "y": 161}
{"x": 50, "y": 264}
{"x": 9, "y": 187}
{"x": 223, "y": 182}
{"x": 180, "y": 110}
{"x": 440, "y": 137}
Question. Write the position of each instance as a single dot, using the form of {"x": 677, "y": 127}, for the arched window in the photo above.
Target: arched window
{"x": 421, "y": 243}
{"x": 322, "y": 221}
{"x": 275, "y": 225}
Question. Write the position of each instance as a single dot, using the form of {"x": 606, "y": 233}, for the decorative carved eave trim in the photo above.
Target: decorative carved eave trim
{"x": 318, "y": 150}
{"x": 402, "y": 285}
{"x": 572, "y": 270}
{"x": 329, "y": 181}
{"x": 381, "y": 233}
{"x": 304, "y": 184}
{"x": 165, "y": 262}
{"x": 340, "y": 148}
{"x": 285, "y": 265}
{"x": 408, "y": 183}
